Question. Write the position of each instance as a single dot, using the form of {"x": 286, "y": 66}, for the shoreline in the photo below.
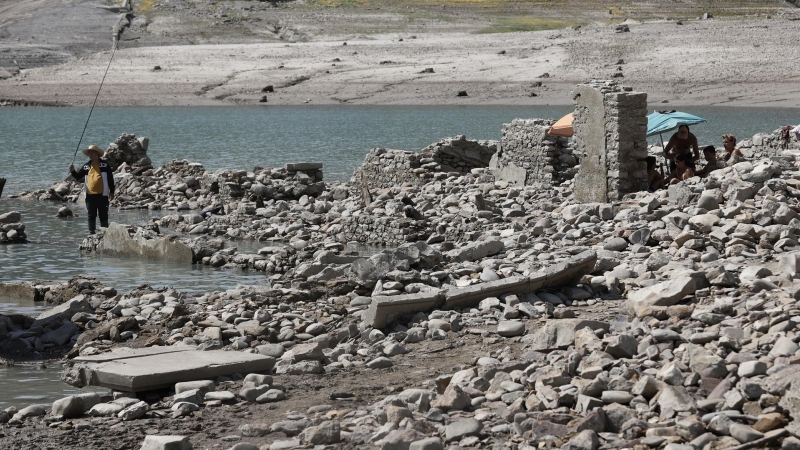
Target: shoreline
{"x": 520, "y": 68}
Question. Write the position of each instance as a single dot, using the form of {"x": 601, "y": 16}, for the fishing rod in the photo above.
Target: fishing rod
{"x": 116, "y": 44}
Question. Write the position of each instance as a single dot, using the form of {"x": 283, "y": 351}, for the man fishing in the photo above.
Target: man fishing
{"x": 98, "y": 180}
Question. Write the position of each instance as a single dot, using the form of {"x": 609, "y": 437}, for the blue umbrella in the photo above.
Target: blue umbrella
{"x": 663, "y": 121}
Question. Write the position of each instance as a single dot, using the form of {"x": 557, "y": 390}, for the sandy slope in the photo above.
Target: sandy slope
{"x": 710, "y": 62}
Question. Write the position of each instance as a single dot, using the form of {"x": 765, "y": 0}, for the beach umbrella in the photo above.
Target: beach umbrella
{"x": 562, "y": 127}
{"x": 664, "y": 121}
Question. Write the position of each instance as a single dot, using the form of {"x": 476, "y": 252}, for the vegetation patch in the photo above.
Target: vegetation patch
{"x": 144, "y": 5}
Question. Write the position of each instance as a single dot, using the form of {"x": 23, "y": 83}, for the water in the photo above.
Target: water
{"x": 38, "y": 143}
{"x": 36, "y": 146}
{"x": 31, "y": 384}
{"x": 52, "y": 254}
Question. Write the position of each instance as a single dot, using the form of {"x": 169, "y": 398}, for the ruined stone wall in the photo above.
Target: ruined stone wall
{"x": 610, "y": 137}
{"x": 529, "y": 156}
{"x": 389, "y": 231}
{"x": 764, "y": 145}
{"x": 384, "y": 168}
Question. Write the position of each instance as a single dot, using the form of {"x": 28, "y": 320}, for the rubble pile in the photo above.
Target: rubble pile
{"x": 12, "y": 230}
{"x": 511, "y": 316}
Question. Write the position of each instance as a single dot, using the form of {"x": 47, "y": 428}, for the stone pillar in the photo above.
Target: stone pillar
{"x": 610, "y": 133}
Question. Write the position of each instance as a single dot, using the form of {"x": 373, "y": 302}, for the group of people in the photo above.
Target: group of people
{"x": 683, "y": 152}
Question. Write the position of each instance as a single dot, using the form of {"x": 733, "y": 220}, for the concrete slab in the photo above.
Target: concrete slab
{"x": 385, "y": 310}
{"x": 136, "y": 370}
{"x": 472, "y": 295}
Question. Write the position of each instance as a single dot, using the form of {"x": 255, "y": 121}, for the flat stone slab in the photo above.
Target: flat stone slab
{"x": 144, "y": 369}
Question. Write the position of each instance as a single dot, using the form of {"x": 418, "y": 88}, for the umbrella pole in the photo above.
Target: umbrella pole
{"x": 664, "y": 149}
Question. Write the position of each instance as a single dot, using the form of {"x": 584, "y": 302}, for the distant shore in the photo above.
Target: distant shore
{"x": 708, "y": 62}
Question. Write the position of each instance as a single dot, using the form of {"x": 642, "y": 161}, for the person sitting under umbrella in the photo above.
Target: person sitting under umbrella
{"x": 655, "y": 180}
{"x": 710, "y": 153}
{"x": 682, "y": 142}
{"x": 732, "y": 154}
{"x": 684, "y": 168}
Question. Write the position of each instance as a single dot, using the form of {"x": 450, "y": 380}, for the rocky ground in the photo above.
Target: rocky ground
{"x": 396, "y": 53}
{"x": 682, "y": 334}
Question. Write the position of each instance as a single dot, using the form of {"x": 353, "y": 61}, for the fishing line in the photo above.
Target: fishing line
{"x": 95, "y": 101}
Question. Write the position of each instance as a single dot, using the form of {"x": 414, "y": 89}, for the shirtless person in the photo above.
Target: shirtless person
{"x": 682, "y": 142}
{"x": 710, "y": 154}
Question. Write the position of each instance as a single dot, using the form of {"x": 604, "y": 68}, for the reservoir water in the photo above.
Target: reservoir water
{"x": 37, "y": 144}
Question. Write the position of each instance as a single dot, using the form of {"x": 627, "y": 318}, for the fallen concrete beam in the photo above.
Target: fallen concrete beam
{"x": 385, "y": 310}
{"x": 144, "y": 369}
{"x": 472, "y": 295}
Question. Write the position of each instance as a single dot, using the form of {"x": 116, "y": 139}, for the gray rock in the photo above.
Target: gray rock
{"x": 271, "y": 396}
{"x": 706, "y": 364}
{"x": 152, "y": 442}
{"x": 615, "y": 244}
{"x": 644, "y": 301}
{"x": 431, "y": 443}
{"x": 751, "y": 369}
{"x": 201, "y": 385}
{"x": 135, "y": 411}
{"x": 744, "y": 433}
{"x": 507, "y": 328}
{"x": 462, "y": 428}
{"x": 191, "y": 396}
{"x": 621, "y": 397}
{"x": 326, "y": 433}
{"x": 784, "y": 347}
{"x": 585, "y": 440}
{"x": 380, "y": 362}
{"x": 30, "y": 411}
{"x": 488, "y": 275}
{"x": 560, "y": 333}
{"x": 622, "y": 346}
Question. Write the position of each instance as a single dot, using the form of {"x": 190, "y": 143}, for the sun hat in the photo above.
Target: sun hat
{"x": 93, "y": 148}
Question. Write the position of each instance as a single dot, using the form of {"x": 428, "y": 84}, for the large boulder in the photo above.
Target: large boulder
{"x": 653, "y": 298}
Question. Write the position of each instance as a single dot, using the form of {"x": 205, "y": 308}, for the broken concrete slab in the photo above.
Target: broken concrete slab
{"x": 64, "y": 311}
{"x": 143, "y": 369}
{"x": 117, "y": 242}
{"x": 386, "y": 309}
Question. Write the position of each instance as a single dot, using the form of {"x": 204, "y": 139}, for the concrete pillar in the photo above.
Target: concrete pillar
{"x": 610, "y": 132}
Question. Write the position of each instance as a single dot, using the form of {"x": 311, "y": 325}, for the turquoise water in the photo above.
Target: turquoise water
{"x": 37, "y": 144}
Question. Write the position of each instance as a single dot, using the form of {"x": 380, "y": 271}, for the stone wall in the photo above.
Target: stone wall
{"x": 610, "y": 137}
{"x": 529, "y": 156}
{"x": 765, "y": 145}
{"x": 375, "y": 230}
{"x": 384, "y": 168}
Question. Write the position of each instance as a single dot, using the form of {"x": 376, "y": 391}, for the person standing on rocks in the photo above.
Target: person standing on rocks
{"x": 98, "y": 180}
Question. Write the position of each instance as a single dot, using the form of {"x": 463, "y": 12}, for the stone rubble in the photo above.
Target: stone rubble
{"x": 12, "y": 230}
{"x": 682, "y": 335}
